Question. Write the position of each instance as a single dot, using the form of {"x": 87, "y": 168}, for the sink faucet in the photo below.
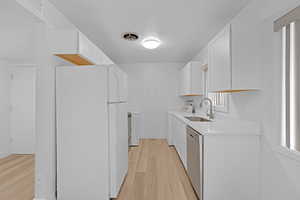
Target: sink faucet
{"x": 210, "y": 114}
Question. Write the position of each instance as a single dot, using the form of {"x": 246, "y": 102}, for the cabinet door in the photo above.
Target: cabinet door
{"x": 183, "y": 142}
{"x": 182, "y": 86}
{"x": 197, "y": 78}
{"x": 180, "y": 139}
{"x": 219, "y": 66}
{"x": 175, "y": 131}
{"x": 246, "y": 68}
{"x": 185, "y": 82}
{"x": 187, "y": 79}
{"x": 170, "y": 129}
{"x": 192, "y": 79}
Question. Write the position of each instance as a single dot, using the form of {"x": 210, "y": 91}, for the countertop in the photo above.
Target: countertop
{"x": 219, "y": 126}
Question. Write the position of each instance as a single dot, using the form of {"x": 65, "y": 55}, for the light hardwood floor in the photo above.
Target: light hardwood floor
{"x": 156, "y": 173}
{"x": 17, "y": 177}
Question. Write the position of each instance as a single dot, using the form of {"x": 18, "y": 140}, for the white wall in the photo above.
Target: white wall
{"x": 255, "y": 43}
{"x": 4, "y": 110}
{"x": 153, "y": 90}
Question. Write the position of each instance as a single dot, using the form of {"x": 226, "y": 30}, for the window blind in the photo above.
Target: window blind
{"x": 291, "y": 46}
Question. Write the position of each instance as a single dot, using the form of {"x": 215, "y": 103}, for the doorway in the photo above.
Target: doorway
{"x": 17, "y": 171}
{"x": 22, "y": 110}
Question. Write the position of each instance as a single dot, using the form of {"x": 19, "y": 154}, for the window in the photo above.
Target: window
{"x": 291, "y": 86}
{"x": 220, "y": 101}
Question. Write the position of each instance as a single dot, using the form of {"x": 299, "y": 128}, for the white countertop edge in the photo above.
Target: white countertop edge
{"x": 204, "y": 130}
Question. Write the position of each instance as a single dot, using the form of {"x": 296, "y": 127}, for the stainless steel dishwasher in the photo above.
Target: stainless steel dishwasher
{"x": 195, "y": 160}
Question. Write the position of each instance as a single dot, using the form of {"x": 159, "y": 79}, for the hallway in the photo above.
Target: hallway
{"x": 156, "y": 173}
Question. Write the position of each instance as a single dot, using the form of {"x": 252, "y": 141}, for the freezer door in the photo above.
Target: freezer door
{"x": 82, "y": 133}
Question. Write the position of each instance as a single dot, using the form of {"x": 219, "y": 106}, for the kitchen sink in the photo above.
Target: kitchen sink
{"x": 197, "y": 119}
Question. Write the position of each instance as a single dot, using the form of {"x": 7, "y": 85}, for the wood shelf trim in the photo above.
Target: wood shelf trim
{"x": 235, "y": 91}
{"x": 75, "y": 59}
{"x": 191, "y": 95}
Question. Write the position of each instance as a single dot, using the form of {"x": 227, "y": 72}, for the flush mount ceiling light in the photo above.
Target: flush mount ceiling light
{"x": 151, "y": 43}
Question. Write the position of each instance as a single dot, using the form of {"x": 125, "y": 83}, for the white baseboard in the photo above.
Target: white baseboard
{"x": 3, "y": 155}
{"x": 41, "y": 199}
{"x": 50, "y": 198}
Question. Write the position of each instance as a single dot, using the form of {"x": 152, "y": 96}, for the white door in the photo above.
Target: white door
{"x": 22, "y": 116}
{"x": 82, "y": 133}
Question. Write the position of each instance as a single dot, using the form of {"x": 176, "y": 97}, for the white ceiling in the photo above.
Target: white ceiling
{"x": 184, "y": 26}
{"x": 17, "y": 33}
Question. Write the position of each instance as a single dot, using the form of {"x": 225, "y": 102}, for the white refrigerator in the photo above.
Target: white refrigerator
{"x": 92, "y": 133}
{"x": 118, "y": 128}
{"x": 82, "y": 133}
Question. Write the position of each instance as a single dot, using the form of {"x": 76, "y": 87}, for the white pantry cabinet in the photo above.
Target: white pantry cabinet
{"x": 192, "y": 79}
{"x": 76, "y": 48}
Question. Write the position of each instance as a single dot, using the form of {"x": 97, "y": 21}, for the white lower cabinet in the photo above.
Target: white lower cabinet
{"x": 231, "y": 167}
{"x": 230, "y": 162}
{"x": 170, "y": 138}
{"x": 179, "y": 137}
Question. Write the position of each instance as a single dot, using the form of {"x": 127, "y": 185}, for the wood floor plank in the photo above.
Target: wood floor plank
{"x": 17, "y": 177}
{"x": 156, "y": 173}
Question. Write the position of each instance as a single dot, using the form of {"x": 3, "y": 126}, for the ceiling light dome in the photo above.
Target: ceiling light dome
{"x": 151, "y": 43}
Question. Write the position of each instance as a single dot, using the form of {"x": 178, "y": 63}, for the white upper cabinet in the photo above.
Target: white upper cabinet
{"x": 192, "y": 79}
{"x": 230, "y": 67}
{"x": 74, "y": 47}
{"x": 219, "y": 62}
{"x": 247, "y": 43}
